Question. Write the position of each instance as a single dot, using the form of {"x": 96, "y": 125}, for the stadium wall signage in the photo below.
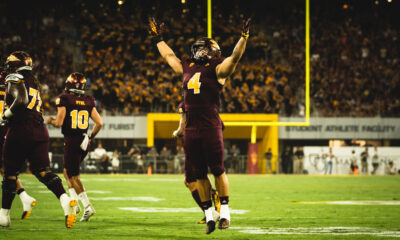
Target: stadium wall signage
{"x": 343, "y": 128}
{"x": 115, "y": 127}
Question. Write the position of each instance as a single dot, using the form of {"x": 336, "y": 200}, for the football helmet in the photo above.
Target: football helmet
{"x": 76, "y": 83}
{"x": 205, "y": 49}
{"x": 18, "y": 60}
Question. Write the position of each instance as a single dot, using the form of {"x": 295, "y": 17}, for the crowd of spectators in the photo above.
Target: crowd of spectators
{"x": 354, "y": 56}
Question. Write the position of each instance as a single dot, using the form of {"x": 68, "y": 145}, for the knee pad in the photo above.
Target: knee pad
{"x": 48, "y": 179}
{"x": 9, "y": 185}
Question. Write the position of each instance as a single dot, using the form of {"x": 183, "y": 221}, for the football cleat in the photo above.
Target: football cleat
{"x": 202, "y": 221}
{"x": 28, "y": 205}
{"x": 223, "y": 223}
{"x": 69, "y": 207}
{"x": 89, "y": 211}
{"x": 216, "y": 200}
{"x": 5, "y": 220}
{"x": 210, "y": 227}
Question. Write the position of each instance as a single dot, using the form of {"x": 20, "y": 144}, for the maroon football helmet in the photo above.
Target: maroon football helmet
{"x": 76, "y": 83}
{"x": 17, "y": 60}
{"x": 205, "y": 49}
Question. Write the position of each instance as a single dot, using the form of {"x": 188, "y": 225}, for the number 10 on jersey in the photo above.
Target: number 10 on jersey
{"x": 194, "y": 83}
{"x": 79, "y": 119}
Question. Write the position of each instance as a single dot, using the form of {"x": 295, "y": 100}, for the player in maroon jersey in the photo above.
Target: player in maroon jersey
{"x": 203, "y": 78}
{"x": 192, "y": 185}
{"x": 27, "y": 201}
{"x": 27, "y": 137}
{"x": 73, "y": 112}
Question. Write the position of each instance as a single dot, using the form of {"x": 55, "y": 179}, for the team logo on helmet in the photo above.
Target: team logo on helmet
{"x": 205, "y": 49}
{"x": 19, "y": 60}
{"x": 76, "y": 83}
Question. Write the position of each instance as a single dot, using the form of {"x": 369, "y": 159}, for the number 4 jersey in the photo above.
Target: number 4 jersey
{"x": 201, "y": 90}
{"x": 78, "y": 111}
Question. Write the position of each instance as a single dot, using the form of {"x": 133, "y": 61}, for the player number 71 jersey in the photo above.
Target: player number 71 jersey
{"x": 77, "y": 114}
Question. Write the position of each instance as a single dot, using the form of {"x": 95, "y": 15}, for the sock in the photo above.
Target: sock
{"x": 84, "y": 199}
{"x": 4, "y": 212}
{"x": 224, "y": 200}
{"x": 20, "y": 191}
{"x": 196, "y": 197}
{"x": 72, "y": 193}
{"x": 64, "y": 198}
{"x": 23, "y": 196}
{"x": 225, "y": 208}
{"x": 207, "y": 208}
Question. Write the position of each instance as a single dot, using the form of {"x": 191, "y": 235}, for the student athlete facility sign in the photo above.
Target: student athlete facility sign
{"x": 122, "y": 127}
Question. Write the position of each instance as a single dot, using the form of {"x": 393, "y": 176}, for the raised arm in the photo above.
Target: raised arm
{"x": 228, "y": 66}
{"x": 166, "y": 52}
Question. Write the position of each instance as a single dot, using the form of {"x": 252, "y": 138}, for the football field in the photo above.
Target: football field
{"x": 263, "y": 207}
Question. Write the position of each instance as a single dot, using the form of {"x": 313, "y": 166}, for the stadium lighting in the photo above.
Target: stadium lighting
{"x": 120, "y": 2}
{"x": 183, "y": 1}
{"x": 376, "y": 2}
{"x": 389, "y": 1}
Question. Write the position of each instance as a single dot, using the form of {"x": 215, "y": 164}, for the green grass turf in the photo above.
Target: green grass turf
{"x": 269, "y": 199}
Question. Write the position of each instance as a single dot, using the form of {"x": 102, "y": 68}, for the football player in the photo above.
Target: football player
{"x": 73, "y": 112}
{"x": 192, "y": 185}
{"x": 27, "y": 137}
{"x": 27, "y": 201}
{"x": 204, "y": 76}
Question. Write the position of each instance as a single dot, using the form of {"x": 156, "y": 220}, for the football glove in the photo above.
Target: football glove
{"x": 4, "y": 116}
{"x": 156, "y": 30}
{"x": 85, "y": 142}
{"x": 245, "y": 28}
{"x": 3, "y": 120}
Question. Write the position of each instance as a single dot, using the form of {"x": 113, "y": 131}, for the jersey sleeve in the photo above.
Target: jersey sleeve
{"x": 14, "y": 78}
{"x": 61, "y": 101}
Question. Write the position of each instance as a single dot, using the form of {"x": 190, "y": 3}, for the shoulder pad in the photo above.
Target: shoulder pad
{"x": 14, "y": 77}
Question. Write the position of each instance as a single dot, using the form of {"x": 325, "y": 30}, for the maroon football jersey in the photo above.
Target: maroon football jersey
{"x": 34, "y": 110}
{"x": 78, "y": 111}
{"x": 201, "y": 94}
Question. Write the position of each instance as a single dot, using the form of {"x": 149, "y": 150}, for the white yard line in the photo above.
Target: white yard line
{"x": 147, "y": 199}
{"x": 353, "y": 202}
{"x": 319, "y": 231}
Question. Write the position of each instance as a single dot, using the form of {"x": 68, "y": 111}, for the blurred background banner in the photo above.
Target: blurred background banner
{"x": 344, "y": 128}
{"x": 253, "y": 158}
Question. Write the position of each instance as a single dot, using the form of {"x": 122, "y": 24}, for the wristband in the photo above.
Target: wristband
{"x": 8, "y": 113}
{"x": 245, "y": 35}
